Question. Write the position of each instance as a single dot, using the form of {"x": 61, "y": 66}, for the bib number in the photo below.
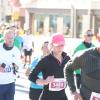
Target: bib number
{"x": 57, "y": 85}
{"x": 95, "y": 96}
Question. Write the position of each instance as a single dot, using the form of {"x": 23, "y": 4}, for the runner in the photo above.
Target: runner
{"x": 35, "y": 90}
{"x": 51, "y": 67}
{"x": 9, "y": 62}
{"x": 28, "y": 46}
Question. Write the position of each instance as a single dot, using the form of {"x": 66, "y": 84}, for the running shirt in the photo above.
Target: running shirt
{"x": 18, "y": 42}
{"x": 8, "y": 57}
{"x": 28, "y": 41}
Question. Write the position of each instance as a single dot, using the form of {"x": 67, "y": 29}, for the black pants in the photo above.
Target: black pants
{"x": 53, "y": 95}
{"x": 78, "y": 80}
{"x": 34, "y": 94}
{"x": 27, "y": 53}
{"x": 85, "y": 92}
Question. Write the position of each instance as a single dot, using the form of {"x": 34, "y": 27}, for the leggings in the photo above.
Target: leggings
{"x": 34, "y": 94}
{"x": 85, "y": 92}
{"x": 53, "y": 95}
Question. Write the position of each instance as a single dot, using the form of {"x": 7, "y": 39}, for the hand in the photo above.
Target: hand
{"x": 27, "y": 73}
{"x": 22, "y": 57}
{"x": 76, "y": 96}
{"x": 14, "y": 65}
{"x": 1, "y": 69}
{"x": 49, "y": 79}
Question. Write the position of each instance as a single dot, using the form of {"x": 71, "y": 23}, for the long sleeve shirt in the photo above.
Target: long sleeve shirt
{"x": 89, "y": 62}
{"x": 49, "y": 66}
{"x": 82, "y": 46}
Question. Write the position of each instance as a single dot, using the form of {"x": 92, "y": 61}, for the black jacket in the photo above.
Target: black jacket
{"x": 49, "y": 66}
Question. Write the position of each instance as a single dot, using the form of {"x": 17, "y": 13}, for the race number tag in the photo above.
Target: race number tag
{"x": 57, "y": 85}
{"x": 95, "y": 96}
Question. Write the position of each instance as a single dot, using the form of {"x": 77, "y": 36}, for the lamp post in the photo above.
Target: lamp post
{"x": 73, "y": 19}
{"x": 89, "y": 15}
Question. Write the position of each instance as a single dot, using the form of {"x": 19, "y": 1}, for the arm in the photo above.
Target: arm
{"x": 46, "y": 81}
{"x": 34, "y": 73}
{"x": 40, "y": 67}
{"x": 2, "y": 66}
{"x": 72, "y": 65}
{"x": 28, "y": 70}
{"x": 69, "y": 75}
{"x": 32, "y": 65}
{"x": 16, "y": 62}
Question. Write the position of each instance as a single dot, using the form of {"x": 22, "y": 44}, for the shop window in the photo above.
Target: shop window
{"x": 40, "y": 23}
{"x": 66, "y": 21}
{"x": 53, "y": 23}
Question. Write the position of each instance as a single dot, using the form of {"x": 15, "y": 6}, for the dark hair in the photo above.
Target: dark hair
{"x": 44, "y": 43}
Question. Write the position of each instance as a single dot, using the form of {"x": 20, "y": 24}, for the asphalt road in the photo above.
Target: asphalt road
{"x": 22, "y": 87}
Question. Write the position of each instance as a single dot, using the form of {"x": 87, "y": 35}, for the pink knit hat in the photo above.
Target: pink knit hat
{"x": 57, "y": 39}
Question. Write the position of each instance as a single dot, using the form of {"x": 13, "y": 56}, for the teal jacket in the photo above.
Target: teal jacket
{"x": 1, "y": 38}
{"x": 32, "y": 66}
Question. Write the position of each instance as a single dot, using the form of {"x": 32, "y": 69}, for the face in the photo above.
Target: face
{"x": 88, "y": 38}
{"x": 45, "y": 48}
{"x": 58, "y": 49}
{"x": 27, "y": 32}
{"x": 9, "y": 39}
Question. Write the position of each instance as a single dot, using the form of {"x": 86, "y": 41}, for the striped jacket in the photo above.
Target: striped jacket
{"x": 89, "y": 63}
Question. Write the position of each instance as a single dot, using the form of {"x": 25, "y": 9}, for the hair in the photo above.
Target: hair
{"x": 8, "y": 31}
{"x": 44, "y": 43}
{"x": 89, "y": 31}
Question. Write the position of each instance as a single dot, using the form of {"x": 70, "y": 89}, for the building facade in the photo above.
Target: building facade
{"x": 71, "y": 17}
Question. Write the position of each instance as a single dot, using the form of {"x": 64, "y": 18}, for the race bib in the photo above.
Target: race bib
{"x": 57, "y": 85}
{"x": 95, "y": 96}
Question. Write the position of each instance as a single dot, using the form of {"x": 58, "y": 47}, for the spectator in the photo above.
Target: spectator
{"x": 18, "y": 42}
{"x": 51, "y": 67}
{"x": 85, "y": 44}
{"x": 9, "y": 62}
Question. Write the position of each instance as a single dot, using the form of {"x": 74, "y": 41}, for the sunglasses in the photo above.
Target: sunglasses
{"x": 90, "y": 35}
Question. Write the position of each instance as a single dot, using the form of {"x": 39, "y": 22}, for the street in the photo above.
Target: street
{"x": 22, "y": 87}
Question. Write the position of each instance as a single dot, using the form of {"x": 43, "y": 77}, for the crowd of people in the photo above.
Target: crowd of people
{"x": 51, "y": 71}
